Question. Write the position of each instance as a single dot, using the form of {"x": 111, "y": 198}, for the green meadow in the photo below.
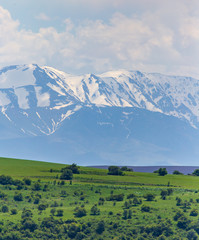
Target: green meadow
{"x": 36, "y": 203}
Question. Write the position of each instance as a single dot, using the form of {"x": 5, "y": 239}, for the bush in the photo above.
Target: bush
{"x": 95, "y": 210}
{"x": 42, "y": 207}
{"x": 176, "y": 172}
{"x": 18, "y": 197}
{"x": 100, "y": 227}
{"x": 196, "y": 172}
{"x": 116, "y": 197}
{"x": 145, "y": 208}
{"x": 162, "y": 171}
{"x": 126, "y": 169}
{"x": 80, "y": 212}
{"x": 192, "y": 235}
{"x": 149, "y": 196}
{"x": 14, "y": 211}
{"x": 74, "y": 168}
{"x": 114, "y": 170}
{"x": 60, "y": 213}
{"x": 36, "y": 186}
{"x": 194, "y": 213}
{"x": 4, "y": 209}
{"x": 67, "y": 174}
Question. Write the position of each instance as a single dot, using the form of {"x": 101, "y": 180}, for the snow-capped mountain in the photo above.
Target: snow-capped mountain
{"x": 43, "y": 101}
{"x": 38, "y": 99}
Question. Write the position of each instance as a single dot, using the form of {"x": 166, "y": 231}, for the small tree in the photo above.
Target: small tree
{"x": 149, "y": 196}
{"x": 162, "y": 172}
{"x": 18, "y": 197}
{"x": 196, "y": 172}
{"x": 95, "y": 210}
{"x": 67, "y": 174}
{"x": 114, "y": 170}
{"x": 176, "y": 172}
{"x": 100, "y": 227}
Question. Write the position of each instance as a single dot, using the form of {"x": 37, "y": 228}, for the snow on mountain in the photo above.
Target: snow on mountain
{"x": 38, "y": 99}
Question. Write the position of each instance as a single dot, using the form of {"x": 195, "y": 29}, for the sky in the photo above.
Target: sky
{"x": 95, "y": 36}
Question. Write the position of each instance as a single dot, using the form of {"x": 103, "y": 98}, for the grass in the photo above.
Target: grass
{"x": 89, "y": 186}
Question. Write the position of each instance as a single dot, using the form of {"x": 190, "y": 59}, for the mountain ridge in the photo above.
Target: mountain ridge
{"x": 121, "y": 117}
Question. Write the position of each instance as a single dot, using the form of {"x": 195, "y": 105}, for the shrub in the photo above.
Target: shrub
{"x": 149, "y": 196}
{"x": 116, "y": 197}
{"x": 26, "y": 214}
{"x": 192, "y": 235}
{"x": 196, "y": 172}
{"x": 27, "y": 181}
{"x": 14, "y": 211}
{"x": 162, "y": 171}
{"x": 100, "y": 227}
{"x": 18, "y": 197}
{"x": 42, "y": 207}
{"x": 176, "y": 172}
{"x": 114, "y": 170}
{"x": 126, "y": 169}
{"x": 36, "y": 186}
{"x": 131, "y": 195}
{"x": 194, "y": 212}
{"x": 4, "y": 209}
{"x": 183, "y": 222}
{"x": 145, "y": 208}
{"x": 60, "y": 213}
{"x": 74, "y": 168}
{"x": 67, "y": 174}
{"x": 80, "y": 212}
{"x": 95, "y": 210}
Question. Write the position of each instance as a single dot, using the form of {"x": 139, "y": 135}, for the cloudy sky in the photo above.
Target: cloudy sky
{"x": 84, "y": 36}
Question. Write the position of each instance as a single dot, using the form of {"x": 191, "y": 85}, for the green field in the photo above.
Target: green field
{"x": 50, "y": 208}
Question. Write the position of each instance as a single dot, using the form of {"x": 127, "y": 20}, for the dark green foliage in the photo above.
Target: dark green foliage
{"x": 192, "y": 235}
{"x": 115, "y": 197}
{"x": 42, "y": 207}
{"x": 100, "y": 227}
{"x": 162, "y": 171}
{"x": 194, "y": 213}
{"x": 36, "y": 186}
{"x": 6, "y": 180}
{"x": 183, "y": 222}
{"x": 26, "y": 214}
{"x": 145, "y": 208}
{"x": 4, "y": 209}
{"x": 18, "y": 197}
{"x": 178, "y": 215}
{"x": 74, "y": 168}
{"x": 67, "y": 174}
{"x": 60, "y": 213}
{"x": 176, "y": 172}
{"x": 149, "y": 196}
{"x": 126, "y": 169}
{"x": 13, "y": 211}
{"x": 95, "y": 210}
{"x": 80, "y": 212}
{"x": 131, "y": 195}
{"x": 196, "y": 172}
{"x": 114, "y": 170}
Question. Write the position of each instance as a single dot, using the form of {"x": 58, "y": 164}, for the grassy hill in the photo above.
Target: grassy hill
{"x": 133, "y": 206}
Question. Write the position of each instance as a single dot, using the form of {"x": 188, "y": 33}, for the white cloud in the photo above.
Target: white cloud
{"x": 43, "y": 17}
{"x": 164, "y": 40}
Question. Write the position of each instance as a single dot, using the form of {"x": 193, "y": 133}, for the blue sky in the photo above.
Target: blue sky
{"x": 83, "y": 36}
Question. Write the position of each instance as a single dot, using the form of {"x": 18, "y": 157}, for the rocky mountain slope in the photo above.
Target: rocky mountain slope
{"x": 89, "y": 110}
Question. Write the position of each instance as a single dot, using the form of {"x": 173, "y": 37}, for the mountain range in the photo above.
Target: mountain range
{"x": 118, "y": 117}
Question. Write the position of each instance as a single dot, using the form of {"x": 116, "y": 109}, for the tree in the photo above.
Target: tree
{"x": 74, "y": 168}
{"x": 126, "y": 169}
{"x": 149, "y": 196}
{"x": 162, "y": 171}
{"x": 18, "y": 197}
{"x": 114, "y": 170}
{"x": 176, "y": 172}
{"x": 67, "y": 174}
{"x": 100, "y": 227}
{"x": 95, "y": 210}
{"x": 196, "y": 172}
{"x": 80, "y": 212}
